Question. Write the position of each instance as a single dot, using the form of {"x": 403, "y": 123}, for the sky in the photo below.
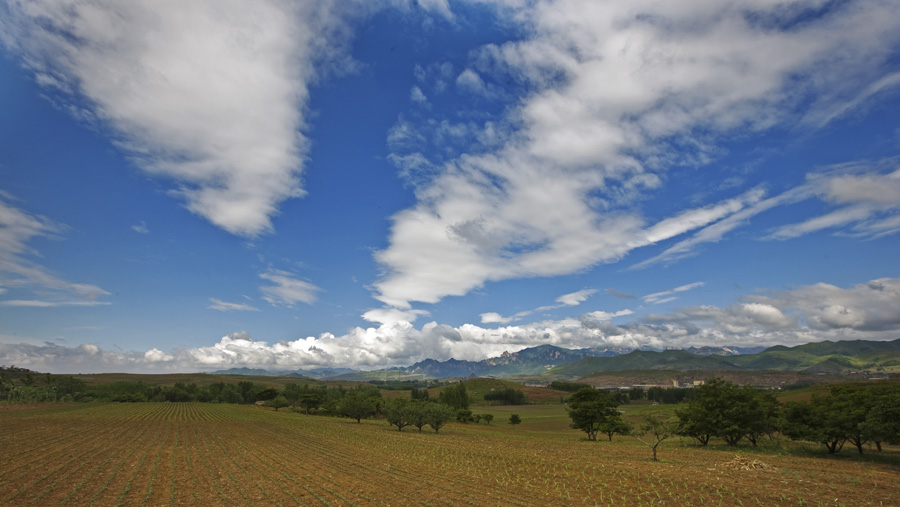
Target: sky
{"x": 287, "y": 185}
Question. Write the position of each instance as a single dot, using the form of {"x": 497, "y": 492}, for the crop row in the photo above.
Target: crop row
{"x": 168, "y": 453}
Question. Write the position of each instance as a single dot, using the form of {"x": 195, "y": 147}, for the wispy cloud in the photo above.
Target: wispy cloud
{"x": 209, "y": 93}
{"x": 619, "y": 294}
{"x": 664, "y": 296}
{"x": 224, "y": 306}
{"x": 286, "y": 289}
{"x": 140, "y": 228}
{"x": 571, "y": 299}
{"x": 34, "y": 303}
{"x": 867, "y": 199}
{"x": 18, "y": 270}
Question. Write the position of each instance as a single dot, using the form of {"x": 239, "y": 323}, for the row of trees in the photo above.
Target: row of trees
{"x": 725, "y": 410}
{"x": 858, "y": 414}
{"x": 855, "y": 413}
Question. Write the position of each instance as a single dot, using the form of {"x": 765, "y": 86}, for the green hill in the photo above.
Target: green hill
{"x": 644, "y": 360}
{"x": 820, "y": 357}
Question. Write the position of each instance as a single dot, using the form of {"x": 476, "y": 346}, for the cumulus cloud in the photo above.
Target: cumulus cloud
{"x": 471, "y": 82}
{"x": 869, "y": 311}
{"x": 616, "y": 94}
{"x": 208, "y": 93}
{"x": 416, "y": 95}
{"x": 19, "y": 272}
{"x": 286, "y": 289}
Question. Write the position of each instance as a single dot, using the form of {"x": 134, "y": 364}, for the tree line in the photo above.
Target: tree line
{"x": 854, "y": 413}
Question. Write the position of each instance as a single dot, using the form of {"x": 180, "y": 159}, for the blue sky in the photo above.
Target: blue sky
{"x": 299, "y": 184}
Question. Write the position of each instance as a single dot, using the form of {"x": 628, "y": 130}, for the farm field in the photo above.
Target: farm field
{"x": 210, "y": 454}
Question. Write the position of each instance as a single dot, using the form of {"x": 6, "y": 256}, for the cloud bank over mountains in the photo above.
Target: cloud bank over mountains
{"x": 867, "y": 311}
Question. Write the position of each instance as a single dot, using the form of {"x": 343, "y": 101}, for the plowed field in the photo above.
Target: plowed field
{"x": 205, "y": 454}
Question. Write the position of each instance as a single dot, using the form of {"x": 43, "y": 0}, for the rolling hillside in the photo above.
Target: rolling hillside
{"x": 820, "y": 357}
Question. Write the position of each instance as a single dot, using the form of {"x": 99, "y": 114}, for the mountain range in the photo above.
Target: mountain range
{"x": 553, "y": 361}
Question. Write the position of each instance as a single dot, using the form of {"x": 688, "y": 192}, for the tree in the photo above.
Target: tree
{"x": 514, "y": 420}
{"x": 463, "y": 415}
{"x": 418, "y": 413}
{"x": 654, "y": 431}
{"x": 590, "y": 409}
{"x": 309, "y": 401}
{"x": 278, "y": 402}
{"x": 615, "y": 425}
{"x": 397, "y": 413}
{"x": 437, "y": 415}
{"x": 882, "y": 422}
{"x": 455, "y": 396}
{"x": 816, "y": 422}
{"x": 764, "y": 417}
{"x": 487, "y": 418}
{"x": 357, "y": 405}
{"x": 508, "y": 396}
{"x": 726, "y": 410}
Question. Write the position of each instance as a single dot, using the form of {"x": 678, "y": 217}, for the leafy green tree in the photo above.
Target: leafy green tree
{"x": 852, "y": 404}
{"x": 278, "y": 402}
{"x": 589, "y": 409}
{"x": 437, "y": 415}
{"x": 397, "y": 413}
{"x": 654, "y": 431}
{"x": 463, "y": 415}
{"x": 726, "y": 410}
{"x": 514, "y": 420}
{"x": 615, "y": 425}
{"x": 455, "y": 396}
{"x": 358, "y": 405}
{"x": 763, "y": 416}
{"x": 418, "y": 413}
{"x": 487, "y": 418}
{"x": 817, "y": 421}
{"x": 309, "y": 401}
{"x": 882, "y": 422}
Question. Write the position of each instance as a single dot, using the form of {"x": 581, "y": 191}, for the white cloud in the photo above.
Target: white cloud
{"x": 716, "y": 231}
{"x": 287, "y": 290}
{"x": 604, "y": 316}
{"x": 870, "y": 200}
{"x": 36, "y": 303}
{"x": 494, "y": 318}
{"x": 390, "y": 316}
{"x": 19, "y": 272}
{"x": 140, "y": 228}
{"x": 576, "y": 298}
{"x": 869, "y": 311}
{"x": 224, "y": 306}
{"x": 207, "y": 93}
{"x": 618, "y": 92}
{"x": 471, "y": 82}
{"x": 658, "y": 297}
{"x": 417, "y": 96}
